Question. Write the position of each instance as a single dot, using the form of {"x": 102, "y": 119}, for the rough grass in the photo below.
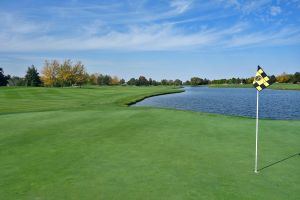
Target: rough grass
{"x": 83, "y": 144}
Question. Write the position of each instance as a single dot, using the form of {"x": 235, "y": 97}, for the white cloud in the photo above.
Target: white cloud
{"x": 275, "y": 10}
{"x": 140, "y": 31}
{"x": 12, "y": 24}
{"x": 254, "y": 6}
{"x": 153, "y": 37}
{"x": 285, "y": 36}
{"x": 230, "y": 3}
{"x": 181, "y": 6}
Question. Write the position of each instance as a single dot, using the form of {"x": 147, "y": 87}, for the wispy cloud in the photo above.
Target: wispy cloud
{"x": 275, "y": 10}
{"x": 254, "y": 6}
{"x": 111, "y": 27}
{"x": 181, "y": 6}
{"x": 12, "y": 24}
{"x": 156, "y": 37}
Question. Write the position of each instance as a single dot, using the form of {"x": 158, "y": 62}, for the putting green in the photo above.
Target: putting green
{"x": 62, "y": 143}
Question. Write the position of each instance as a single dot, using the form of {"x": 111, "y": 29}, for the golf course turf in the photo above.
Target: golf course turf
{"x": 85, "y": 143}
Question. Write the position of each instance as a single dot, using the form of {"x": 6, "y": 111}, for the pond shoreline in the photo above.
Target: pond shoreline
{"x": 135, "y": 101}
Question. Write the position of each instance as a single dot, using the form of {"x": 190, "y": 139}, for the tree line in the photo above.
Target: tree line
{"x": 68, "y": 73}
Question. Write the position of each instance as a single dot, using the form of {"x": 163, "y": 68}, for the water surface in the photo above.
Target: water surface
{"x": 274, "y": 104}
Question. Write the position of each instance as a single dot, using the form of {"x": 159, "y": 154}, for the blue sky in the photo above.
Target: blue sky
{"x": 156, "y": 38}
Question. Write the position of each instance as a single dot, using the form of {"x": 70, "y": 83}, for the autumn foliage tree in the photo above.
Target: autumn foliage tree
{"x": 65, "y": 74}
{"x": 283, "y": 78}
{"x": 115, "y": 80}
{"x": 50, "y": 73}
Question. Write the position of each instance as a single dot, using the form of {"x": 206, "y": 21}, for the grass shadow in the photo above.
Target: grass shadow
{"x": 274, "y": 163}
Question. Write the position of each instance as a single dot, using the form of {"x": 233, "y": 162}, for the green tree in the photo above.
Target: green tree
{"x": 273, "y": 79}
{"x": 164, "y": 82}
{"x": 107, "y": 80}
{"x": 3, "y": 79}
{"x": 296, "y": 77}
{"x": 155, "y": 83}
{"x": 122, "y": 82}
{"x": 16, "y": 81}
{"x": 187, "y": 82}
{"x": 131, "y": 81}
{"x": 177, "y": 82}
{"x": 142, "y": 81}
{"x": 196, "y": 81}
{"x": 32, "y": 77}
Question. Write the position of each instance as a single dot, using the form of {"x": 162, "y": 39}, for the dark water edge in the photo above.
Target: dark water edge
{"x": 273, "y": 104}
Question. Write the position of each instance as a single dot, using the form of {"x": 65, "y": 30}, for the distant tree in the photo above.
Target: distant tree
{"x": 164, "y": 82}
{"x": 131, "y": 81}
{"x": 32, "y": 77}
{"x": 155, "y": 83}
{"x": 296, "y": 77}
{"x": 243, "y": 81}
{"x": 272, "y": 79}
{"x": 79, "y": 75}
{"x": 100, "y": 79}
{"x": 187, "y": 82}
{"x": 122, "y": 82}
{"x": 93, "y": 79}
{"x": 205, "y": 81}
{"x": 106, "y": 80}
{"x": 50, "y": 72}
{"x": 170, "y": 82}
{"x": 283, "y": 78}
{"x": 3, "y": 79}
{"x": 16, "y": 81}
{"x": 250, "y": 80}
{"x": 196, "y": 81}
{"x": 142, "y": 81}
{"x": 232, "y": 81}
{"x": 65, "y": 74}
{"x": 150, "y": 82}
{"x": 115, "y": 81}
{"x": 177, "y": 82}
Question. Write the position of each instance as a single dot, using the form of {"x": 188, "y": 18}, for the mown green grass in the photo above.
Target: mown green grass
{"x": 275, "y": 86}
{"x": 85, "y": 144}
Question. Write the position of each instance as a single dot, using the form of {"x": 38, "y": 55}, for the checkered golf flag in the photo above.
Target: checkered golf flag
{"x": 261, "y": 80}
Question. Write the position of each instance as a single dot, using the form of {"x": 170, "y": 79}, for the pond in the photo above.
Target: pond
{"x": 273, "y": 104}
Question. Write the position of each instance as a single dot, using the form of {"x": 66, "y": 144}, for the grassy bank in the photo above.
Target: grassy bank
{"x": 276, "y": 86}
{"x": 84, "y": 144}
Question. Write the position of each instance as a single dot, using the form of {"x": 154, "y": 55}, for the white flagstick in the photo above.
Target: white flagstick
{"x": 256, "y": 144}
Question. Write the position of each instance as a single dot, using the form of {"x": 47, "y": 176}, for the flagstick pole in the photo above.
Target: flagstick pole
{"x": 256, "y": 142}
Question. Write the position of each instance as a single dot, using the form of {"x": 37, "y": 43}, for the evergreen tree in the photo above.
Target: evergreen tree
{"x": 107, "y": 80}
{"x": 3, "y": 79}
{"x": 32, "y": 77}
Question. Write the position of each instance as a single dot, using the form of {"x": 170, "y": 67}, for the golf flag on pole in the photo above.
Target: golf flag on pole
{"x": 261, "y": 81}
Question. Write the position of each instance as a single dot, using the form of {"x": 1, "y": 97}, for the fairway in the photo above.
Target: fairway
{"x": 85, "y": 143}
